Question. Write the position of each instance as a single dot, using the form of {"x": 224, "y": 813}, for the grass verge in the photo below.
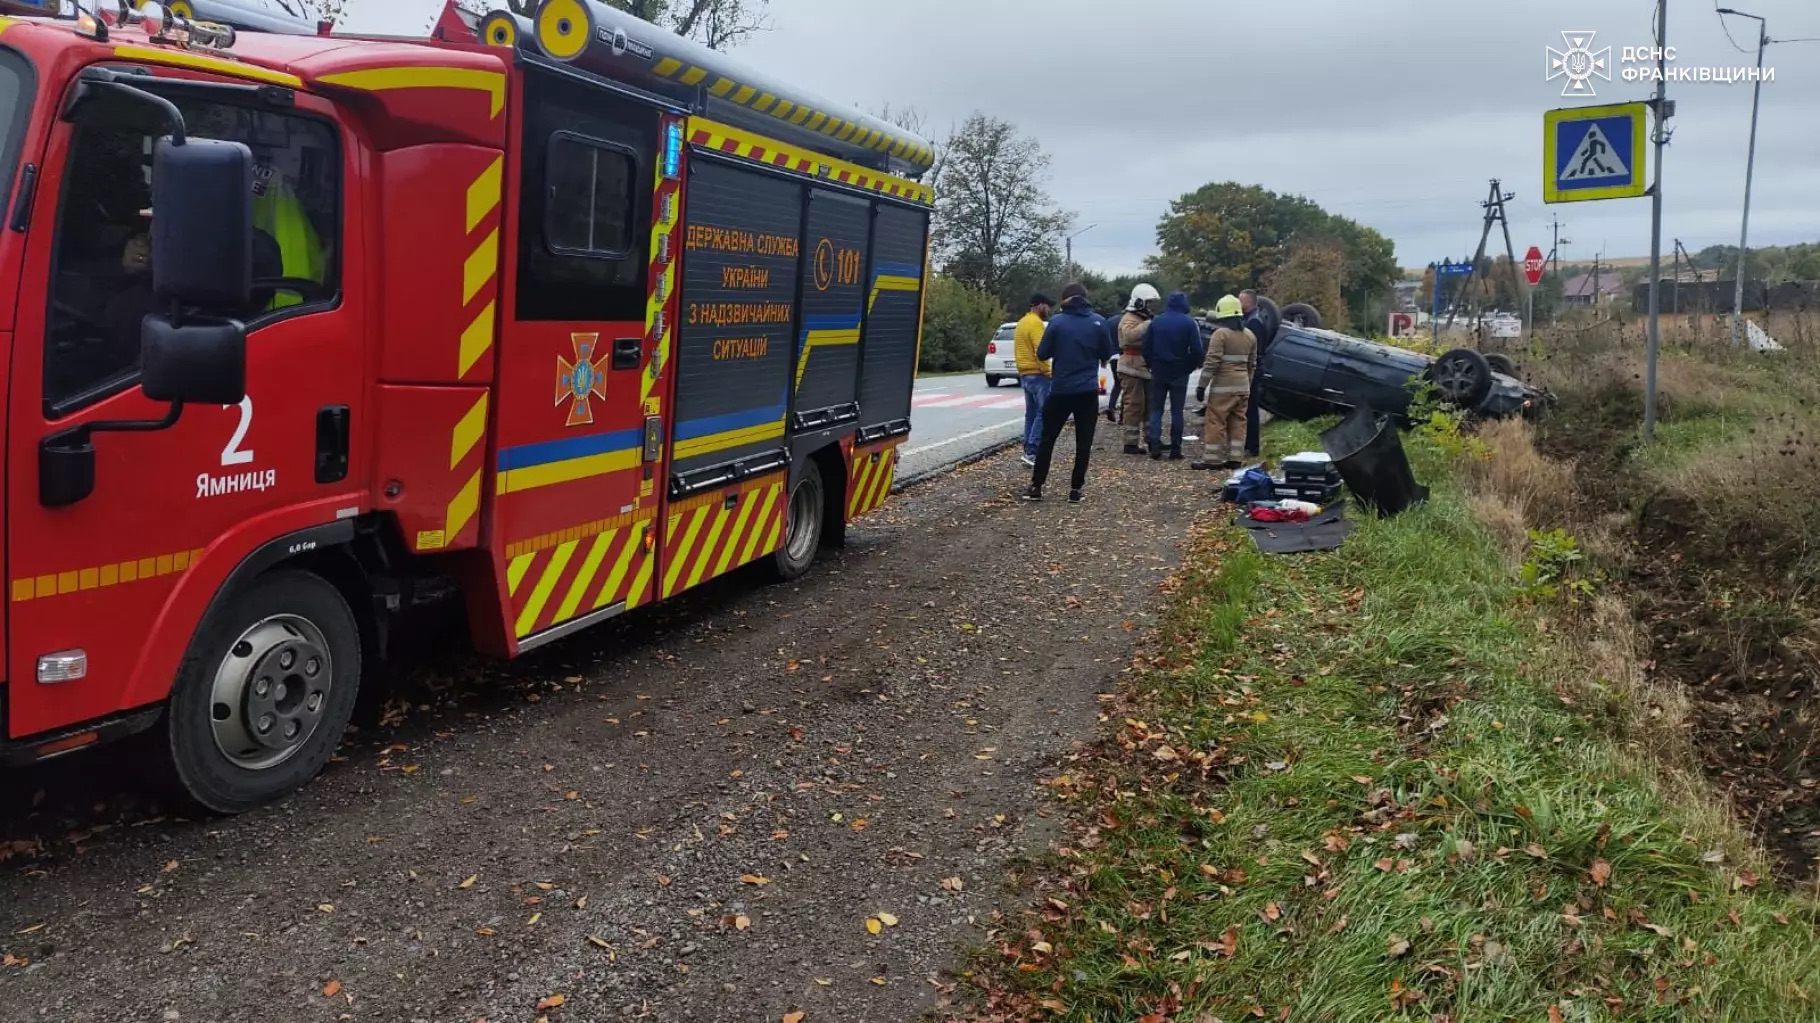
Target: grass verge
{"x": 1371, "y": 785}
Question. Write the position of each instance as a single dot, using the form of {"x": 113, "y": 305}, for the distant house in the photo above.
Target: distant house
{"x": 1590, "y": 289}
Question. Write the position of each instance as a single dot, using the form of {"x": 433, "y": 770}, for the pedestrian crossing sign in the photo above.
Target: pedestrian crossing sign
{"x": 1595, "y": 152}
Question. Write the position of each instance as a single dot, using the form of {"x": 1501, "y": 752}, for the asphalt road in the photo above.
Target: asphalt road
{"x": 958, "y": 418}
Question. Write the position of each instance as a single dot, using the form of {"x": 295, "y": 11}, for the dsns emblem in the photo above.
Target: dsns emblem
{"x": 582, "y": 380}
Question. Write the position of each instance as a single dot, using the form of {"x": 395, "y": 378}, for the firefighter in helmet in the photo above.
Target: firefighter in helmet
{"x": 1134, "y": 407}
{"x": 1232, "y": 358}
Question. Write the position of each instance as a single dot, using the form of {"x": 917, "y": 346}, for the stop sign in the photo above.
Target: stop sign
{"x": 1532, "y": 265}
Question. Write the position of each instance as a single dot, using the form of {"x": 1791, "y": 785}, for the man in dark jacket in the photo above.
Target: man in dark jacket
{"x": 1173, "y": 350}
{"x": 1254, "y": 322}
{"x": 1077, "y": 342}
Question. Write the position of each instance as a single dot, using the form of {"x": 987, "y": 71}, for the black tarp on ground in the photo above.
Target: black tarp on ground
{"x": 1325, "y": 532}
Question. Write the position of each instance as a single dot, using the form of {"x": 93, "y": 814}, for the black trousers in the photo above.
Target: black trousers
{"x": 1084, "y": 409}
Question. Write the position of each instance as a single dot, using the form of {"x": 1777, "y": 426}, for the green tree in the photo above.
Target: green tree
{"x": 996, "y": 228}
{"x": 957, "y": 323}
{"x": 1313, "y": 270}
{"x": 1226, "y": 236}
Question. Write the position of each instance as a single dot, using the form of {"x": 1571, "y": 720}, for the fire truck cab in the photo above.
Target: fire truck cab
{"x": 574, "y": 314}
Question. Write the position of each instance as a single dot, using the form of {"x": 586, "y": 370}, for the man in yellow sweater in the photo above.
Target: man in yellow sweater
{"x": 1033, "y": 372}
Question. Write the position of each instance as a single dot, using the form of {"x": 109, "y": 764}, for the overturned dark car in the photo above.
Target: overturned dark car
{"x": 1308, "y": 372}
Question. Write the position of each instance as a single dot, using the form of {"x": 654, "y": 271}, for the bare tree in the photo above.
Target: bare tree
{"x": 995, "y": 225}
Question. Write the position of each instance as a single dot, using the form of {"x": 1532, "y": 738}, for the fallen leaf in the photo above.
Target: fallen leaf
{"x": 171, "y": 867}
{"x": 1229, "y": 942}
{"x": 953, "y": 884}
{"x": 1273, "y": 912}
{"x": 598, "y": 942}
{"x": 823, "y": 982}
{"x": 1601, "y": 872}
{"x": 880, "y": 981}
{"x": 1397, "y": 947}
{"x": 795, "y": 1017}
{"x": 331, "y": 989}
{"x": 887, "y": 919}
{"x": 485, "y": 932}
{"x": 552, "y": 1002}
{"x": 469, "y": 883}
{"x": 1554, "y": 1014}
{"x": 1386, "y": 864}
{"x": 325, "y": 907}
{"x": 873, "y": 926}
{"x": 754, "y": 879}
{"x": 741, "y": 922}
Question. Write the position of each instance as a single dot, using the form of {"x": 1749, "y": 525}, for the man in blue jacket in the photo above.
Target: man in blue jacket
{"x": 1077, "y": 341}
{"x": 1173, "y": 349}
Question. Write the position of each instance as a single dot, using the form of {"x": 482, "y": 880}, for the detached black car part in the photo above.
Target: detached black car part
{"x": 1368, "y": 451}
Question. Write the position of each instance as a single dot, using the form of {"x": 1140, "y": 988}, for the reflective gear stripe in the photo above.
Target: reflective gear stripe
{"x": 1241, "y": 359}
{"x": 280, "y": 214}
{"x": 1231, "y": 389}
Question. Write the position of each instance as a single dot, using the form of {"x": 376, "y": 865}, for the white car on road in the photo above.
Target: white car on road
{"x": 1001, "y": 355}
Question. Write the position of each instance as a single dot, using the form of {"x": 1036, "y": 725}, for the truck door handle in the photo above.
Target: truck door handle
{"x": 628, "y": 352}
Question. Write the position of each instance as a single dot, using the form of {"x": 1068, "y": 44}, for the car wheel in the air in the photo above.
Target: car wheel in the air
{"x": 1270, "y": 317}
{"x": 1501, "y": 363}
{"x": 1302, "y": 315}
{"x": 265, "y": 694}
{"x": 1463, "y": 377}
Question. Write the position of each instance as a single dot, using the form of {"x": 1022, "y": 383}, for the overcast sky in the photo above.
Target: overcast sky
{"x": 1393, "y": 112}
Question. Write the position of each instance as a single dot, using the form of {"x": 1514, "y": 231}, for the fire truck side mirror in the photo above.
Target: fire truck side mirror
{"x": 202, "y": 224}
{"x": 201, "y": 362}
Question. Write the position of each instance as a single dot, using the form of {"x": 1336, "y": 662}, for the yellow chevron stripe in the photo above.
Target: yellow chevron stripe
{"x": 546, "y": 583}
{"x": 776, "y": 539}
{"x": 887, "y": 282}
{"x": 823, "y": 339}
{"x": 762, "y": 526}
{"x": 862, "y": 481}
{"x": 673, "y": 571}
{"x": 483, "y": 194}
{"x": 462, "y": 507}
{"x": 610, "y": 591}
{"x": 480, "y": 267}
{"x": 384, "y": 79}
{"x": 515, "y": 572}
{"x": 640, "y": 582}
{"x": 468, "y": 432}
{"x": 478, "y": 337}
{"x": 731, "y": 439}
{"x": 748, "y": 502}
{"x": 883, "y": 490}
{"x": 597, "y": 552}
{"x": 705, "y": 556}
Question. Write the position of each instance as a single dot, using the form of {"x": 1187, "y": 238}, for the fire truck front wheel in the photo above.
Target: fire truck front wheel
{"x": 265, "y": 694}
{"x": 804, "y": 537}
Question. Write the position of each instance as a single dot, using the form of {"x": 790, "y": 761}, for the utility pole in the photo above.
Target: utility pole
{"x": 1750, "y": 166}
{"x": 1494, "y": 214}
{"x": 1554, "y": 257}
{"x": 1068, "y": 243}
{"x": 1663, "y": 113}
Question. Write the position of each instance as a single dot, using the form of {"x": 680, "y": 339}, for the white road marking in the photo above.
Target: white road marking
{"x": 1019, "y": 421}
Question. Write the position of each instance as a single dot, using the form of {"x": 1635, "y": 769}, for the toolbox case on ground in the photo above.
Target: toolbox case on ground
{"x": 1310, "y": 470}
{"x": 1322, "y": 494}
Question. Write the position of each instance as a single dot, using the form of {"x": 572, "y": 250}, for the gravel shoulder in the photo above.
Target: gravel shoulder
{"x": 691, "y": 813}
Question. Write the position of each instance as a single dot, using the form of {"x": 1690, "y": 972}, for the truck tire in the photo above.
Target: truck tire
{"x": 1271, "y": 319}
{"x": 992, "y": 379}
{"x": 265, "y": 694}
{"x": 1302, "y": 314}
{"x": 1463, "y": 377}
{"x": 803, "y": 538}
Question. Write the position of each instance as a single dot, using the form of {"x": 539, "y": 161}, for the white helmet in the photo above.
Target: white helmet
{"x": 1142, "y": 294}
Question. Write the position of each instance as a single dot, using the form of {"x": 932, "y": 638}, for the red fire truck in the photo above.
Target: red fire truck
{"x": 576, "y": 316}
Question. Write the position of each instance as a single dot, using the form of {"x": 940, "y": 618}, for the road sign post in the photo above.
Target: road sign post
{"x": 1533, "y": 264}
{"x": 1444, "y": 269}
{"x": 1595, "y": 152}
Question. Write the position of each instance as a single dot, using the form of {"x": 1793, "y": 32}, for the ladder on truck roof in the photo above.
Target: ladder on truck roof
{"x": 606, "y": 43}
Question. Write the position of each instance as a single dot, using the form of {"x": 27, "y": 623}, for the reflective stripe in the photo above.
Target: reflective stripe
{"x": 1231, "y": 389}
{"x": 1241, "y": 359}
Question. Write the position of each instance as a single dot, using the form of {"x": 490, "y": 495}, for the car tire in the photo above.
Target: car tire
{"x": 1270, "y": 319}
{"x": 1463, "y": 377}
{"x": 1302, "y": 315}
{"x": 1501, "y": 363}
{"x": 265, "y": 694}
{"x": 992, "y": 379}
{"x": 803, "y": 537}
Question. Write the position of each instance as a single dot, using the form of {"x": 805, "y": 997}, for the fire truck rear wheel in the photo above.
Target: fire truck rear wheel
{"x": 804, "y": 537}
{"x": 265, "y": 694}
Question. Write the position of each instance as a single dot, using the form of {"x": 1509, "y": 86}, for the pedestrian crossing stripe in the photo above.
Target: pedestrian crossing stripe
{"x": 1595, "y": 157}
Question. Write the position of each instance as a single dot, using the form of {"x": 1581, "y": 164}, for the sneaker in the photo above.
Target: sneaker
{"x": 1033, "y": 493}
{"x": 1156, "y": 454}
{"x": 1175, "y": 456}
{"x": 1076, "y": 497}
{"x": 1029, "y": 461}
{"x": 1133, "y": 449}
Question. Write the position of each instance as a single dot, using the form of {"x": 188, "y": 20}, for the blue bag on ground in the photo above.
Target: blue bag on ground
{"x": 1256, "y": 485}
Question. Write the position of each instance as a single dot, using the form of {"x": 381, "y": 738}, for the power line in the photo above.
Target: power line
{"x": 1723, "y": 24}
